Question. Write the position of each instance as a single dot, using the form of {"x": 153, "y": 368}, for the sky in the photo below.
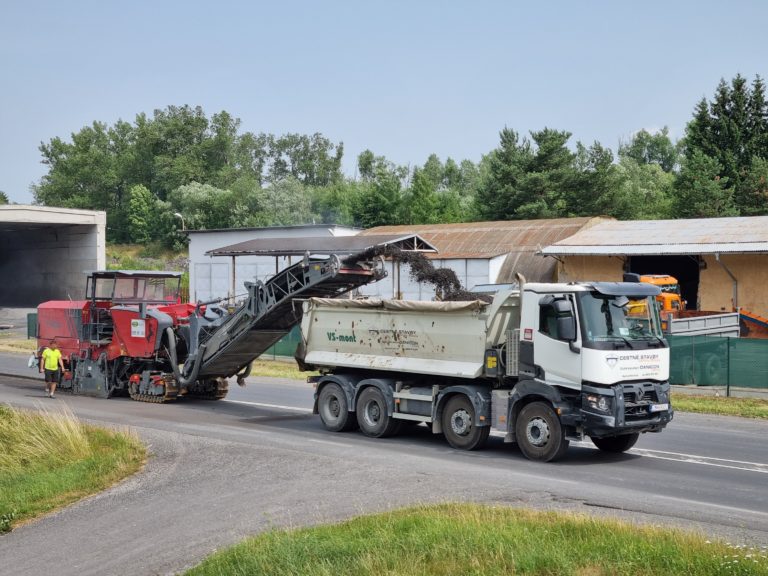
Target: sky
{"x": 404, "y": 79}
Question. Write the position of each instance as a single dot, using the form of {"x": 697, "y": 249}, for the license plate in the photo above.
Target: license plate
{"x": 658, "y": 407}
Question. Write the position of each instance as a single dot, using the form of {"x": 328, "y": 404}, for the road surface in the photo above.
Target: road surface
{"x": 221, "y": 471}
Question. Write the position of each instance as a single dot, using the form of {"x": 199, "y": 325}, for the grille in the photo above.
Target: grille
{"x": 636, "y": 401}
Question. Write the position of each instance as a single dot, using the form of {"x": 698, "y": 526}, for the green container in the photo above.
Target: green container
{"x": 31, "y": 325}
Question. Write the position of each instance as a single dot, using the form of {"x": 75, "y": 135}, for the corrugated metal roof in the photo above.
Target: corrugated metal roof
{"x": 320, "y": 245}
{"x": 489, "y": 239}
{"x": 660, "y": 237}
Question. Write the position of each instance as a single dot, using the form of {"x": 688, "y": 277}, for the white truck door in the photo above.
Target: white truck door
{"x": 553, "y": 353}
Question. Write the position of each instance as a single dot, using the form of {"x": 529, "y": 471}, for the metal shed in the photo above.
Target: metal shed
{"x": 721, "y": 263}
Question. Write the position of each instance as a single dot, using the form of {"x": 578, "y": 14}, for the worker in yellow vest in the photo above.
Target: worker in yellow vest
{"x": 53, "y": 366}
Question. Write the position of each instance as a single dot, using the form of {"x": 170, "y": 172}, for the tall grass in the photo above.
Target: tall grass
{"x": 482, "y": 541}
{"x": 50, "y": 459}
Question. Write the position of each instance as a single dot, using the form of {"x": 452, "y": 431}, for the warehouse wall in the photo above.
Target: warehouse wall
{"x": 211, "y": 278}
{"x": 716, "y": 286}
{"x": 590, "y": 268}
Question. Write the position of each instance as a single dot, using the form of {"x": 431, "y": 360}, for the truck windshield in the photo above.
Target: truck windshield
{"x": 619, "y": 321}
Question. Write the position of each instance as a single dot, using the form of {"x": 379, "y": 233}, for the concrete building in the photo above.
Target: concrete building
{"x": 45, "y": 252}
{"x": 212, "y": 276}
{"x": 720, "y": 263}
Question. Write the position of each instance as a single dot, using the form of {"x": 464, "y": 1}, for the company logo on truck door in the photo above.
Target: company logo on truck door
{"x": 336, "y": 337}
{"x": 634, "y": 363}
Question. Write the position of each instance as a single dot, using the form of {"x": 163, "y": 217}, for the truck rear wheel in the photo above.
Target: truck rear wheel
{"x": 539, "y": 433}
{"x": 459, "y": 425}
{"x": 616, "y": 444}
{"x": 334, "y": 410}
{"x": 372, "y": 414}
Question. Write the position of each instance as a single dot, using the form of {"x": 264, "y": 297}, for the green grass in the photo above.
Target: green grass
{"x": 744, "y": 407}
{"x": 50, "y": 459}
{"x": 481, "y": 540}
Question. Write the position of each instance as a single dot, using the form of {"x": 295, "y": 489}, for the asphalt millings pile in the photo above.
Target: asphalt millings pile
{"x": 446, "y": 283}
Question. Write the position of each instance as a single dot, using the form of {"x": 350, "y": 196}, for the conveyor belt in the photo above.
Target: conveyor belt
{"x": 271, "y": 311}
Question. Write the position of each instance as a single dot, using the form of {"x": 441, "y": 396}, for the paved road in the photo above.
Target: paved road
{"x": 221, "y": 471}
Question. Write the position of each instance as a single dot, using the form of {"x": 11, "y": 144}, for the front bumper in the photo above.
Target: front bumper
{"x": 631, "y": 408}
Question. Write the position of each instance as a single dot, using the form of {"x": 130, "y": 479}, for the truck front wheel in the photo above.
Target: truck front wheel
{"x": 372, "y": 414}
{"x": 333, "y": 408}
{"x": 459, "y": 425}
{"x": 539, "y": 433}
{"x": 616, "y": 444}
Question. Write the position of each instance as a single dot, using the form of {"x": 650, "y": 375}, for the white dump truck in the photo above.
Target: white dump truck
{"x": 544, "y": 364}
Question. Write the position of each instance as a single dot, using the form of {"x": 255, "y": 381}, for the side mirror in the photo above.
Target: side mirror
{"x": 566, "y": 328}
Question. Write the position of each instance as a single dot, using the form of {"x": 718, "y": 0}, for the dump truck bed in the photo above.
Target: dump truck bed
{"x": 437, "y": 338}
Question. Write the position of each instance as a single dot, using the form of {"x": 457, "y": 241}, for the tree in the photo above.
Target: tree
{"x": 335, "y": 203}
{"x": 526, "y": 182}
{"x": 312, "y": 160}
{"x": 701, "y": 191}
{"x": 596, "y": 183}
{"x": 497, "y": 196}
{"x": 732, "y": 130}
{"x": 287, "y": 203}
{"x": 420, "y": 203}
{"x": 380, "y": 200}
{"x": 647, "y": 148}
{"x": 643, "y": 191}
{"x": 141, "y": 209}
{"x": 3, "y": 198}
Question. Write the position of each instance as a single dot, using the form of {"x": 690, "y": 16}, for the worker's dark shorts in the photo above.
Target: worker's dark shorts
{"x": 52, "y": 375}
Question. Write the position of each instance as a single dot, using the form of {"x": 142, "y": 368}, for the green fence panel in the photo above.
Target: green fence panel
{"x": 749, "y": 363}
{"x": 718, "y": 361}
{"x": 32, "y": 325}
{"x": 286, "y": 346}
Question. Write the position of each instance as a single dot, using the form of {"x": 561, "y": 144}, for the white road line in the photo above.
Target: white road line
{"x": 702, "y": 460}
{"x": 693, "y": 459}
{"x": 279, "y": 406}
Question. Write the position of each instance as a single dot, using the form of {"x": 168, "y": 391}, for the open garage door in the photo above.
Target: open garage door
{"x": 684, "y": 268}
{"x": 45, "y": 251}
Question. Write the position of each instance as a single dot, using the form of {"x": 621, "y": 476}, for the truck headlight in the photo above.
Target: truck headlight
{"x": 599, "y": 403}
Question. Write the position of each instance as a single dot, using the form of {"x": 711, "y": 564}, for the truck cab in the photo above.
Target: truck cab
{"x": 597, "y": 353}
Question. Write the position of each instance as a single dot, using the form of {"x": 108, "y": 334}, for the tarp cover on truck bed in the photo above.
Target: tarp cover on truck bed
{"x": 411, "y": 305}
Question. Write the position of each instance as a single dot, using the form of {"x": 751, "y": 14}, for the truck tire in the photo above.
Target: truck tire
{"x": 372, "y": 416}
{"x": 334, "y": 410}
{"x": 616, "y": 444}
{"x": 459, "y": 428}
{"x": 539, "y": 433}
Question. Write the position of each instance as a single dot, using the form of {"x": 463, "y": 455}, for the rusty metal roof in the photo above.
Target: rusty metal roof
{"x": 489, "y": 239}
{"x": 321, "y": 245}
{"x": 660, "y": 237}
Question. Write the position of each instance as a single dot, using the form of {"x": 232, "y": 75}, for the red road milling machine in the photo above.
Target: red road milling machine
{"x": 132, "y": 336}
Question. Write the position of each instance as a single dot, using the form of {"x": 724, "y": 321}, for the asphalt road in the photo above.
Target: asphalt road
{"x": 221, "y": 471}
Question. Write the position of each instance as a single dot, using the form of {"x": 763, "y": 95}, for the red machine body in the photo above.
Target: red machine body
{"x": 132, "y": 334}
{"x": 117, "y": 330}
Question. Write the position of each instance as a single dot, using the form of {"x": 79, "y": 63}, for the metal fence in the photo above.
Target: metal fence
{"x": 718, "y": 361}
{"x": 286, "y": 346}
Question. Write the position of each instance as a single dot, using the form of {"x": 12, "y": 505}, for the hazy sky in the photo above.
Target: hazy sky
{"x": 405, "y": 79}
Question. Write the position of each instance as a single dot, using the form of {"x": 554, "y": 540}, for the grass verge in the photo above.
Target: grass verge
{"x": 730, "y": 406}
{"x": 481, "y": 540}
{"x": 51, "y": 459}
{"x": 10, "y": 343}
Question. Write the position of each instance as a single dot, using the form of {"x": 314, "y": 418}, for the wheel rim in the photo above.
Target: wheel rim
{"x": 333, "y": 407}
{"x": 537, "y": 432}
{"x": 461, "y": 422}
{"x": 372, "y": 413}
